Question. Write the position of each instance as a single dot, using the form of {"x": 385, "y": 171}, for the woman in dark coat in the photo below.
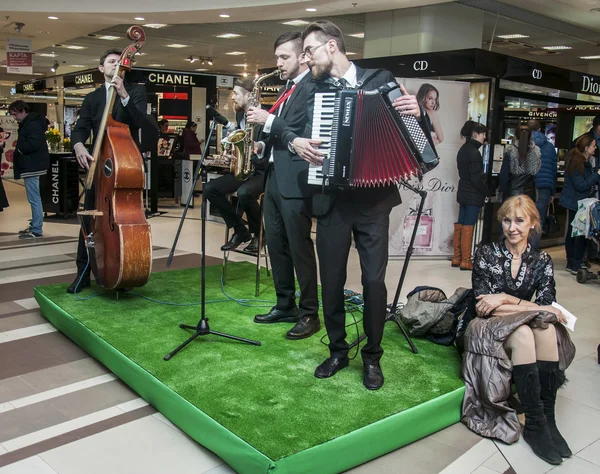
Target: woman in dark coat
{"x": 191, "y": 144}
{"x": 580, "y": 180}
{"x": 472, "y": 192}
{"x": 521, "y": 163}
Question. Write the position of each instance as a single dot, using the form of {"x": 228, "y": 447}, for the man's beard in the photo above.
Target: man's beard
{"x": 321, "y": 70}
{"x": 238, "y": 108}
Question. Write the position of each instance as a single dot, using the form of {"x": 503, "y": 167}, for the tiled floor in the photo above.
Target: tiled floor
{"x": 62, "y": 412}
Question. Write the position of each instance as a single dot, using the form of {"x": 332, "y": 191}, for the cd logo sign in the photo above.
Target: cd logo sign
{"x": 536, "y": 74}
{"x": 420, "y": 65}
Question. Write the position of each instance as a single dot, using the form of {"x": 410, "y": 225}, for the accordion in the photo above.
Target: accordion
{"x": 365, "y": 141}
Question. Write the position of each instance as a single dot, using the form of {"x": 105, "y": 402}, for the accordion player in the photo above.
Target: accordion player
{"x": 365, "y": 141}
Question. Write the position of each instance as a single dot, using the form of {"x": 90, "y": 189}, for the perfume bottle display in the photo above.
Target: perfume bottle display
{"x": 424, "y": 237}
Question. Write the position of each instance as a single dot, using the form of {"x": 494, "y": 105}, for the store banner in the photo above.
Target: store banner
{"x": 19, "y": 56}
{"x": 8, "y": 142}
{"x": 446, "y": 104}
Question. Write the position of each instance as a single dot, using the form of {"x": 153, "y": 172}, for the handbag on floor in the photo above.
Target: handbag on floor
{"x": 551, "y": 225}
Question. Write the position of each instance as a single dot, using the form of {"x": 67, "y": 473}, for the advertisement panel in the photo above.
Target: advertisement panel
{"x": 446, "y": 105}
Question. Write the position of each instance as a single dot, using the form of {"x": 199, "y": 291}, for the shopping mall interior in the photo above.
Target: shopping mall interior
{"x": 84, "y": 384}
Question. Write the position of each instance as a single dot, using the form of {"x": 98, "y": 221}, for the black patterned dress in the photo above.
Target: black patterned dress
{"x": 492, "y": 274}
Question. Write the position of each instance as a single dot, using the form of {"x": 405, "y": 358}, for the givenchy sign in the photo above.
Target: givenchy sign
{"x": 175, "y": 79}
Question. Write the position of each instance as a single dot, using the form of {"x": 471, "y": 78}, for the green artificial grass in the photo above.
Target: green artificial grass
{"x": 266, "y": 395}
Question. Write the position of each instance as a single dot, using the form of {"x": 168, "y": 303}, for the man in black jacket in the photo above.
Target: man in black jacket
{"x": 31, "y": 161}
{"x": 248, "y": 191}
{"x": 130, "y": 109}
{"x": 288, "y": 218}
{"x": 363, "y": 213}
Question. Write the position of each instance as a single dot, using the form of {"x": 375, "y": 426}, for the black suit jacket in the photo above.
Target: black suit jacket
{"x": 90, "y": 115}
{"x": 291, "y": 171}
{"x": 374, "y": 200}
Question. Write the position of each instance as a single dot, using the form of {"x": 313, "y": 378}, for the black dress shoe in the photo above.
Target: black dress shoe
{"x": 235, "y": 241}
{"x": 331, "y": 367}
{"x": 278, "y": 316}
{"x": 373, "y": 378}
{"x": 252, "y": 247}
{"x": 304, "y": 328}
{"x": 80, "y": 283}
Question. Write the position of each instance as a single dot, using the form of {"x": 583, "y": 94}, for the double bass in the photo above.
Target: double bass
{"x": 116, "y": 232}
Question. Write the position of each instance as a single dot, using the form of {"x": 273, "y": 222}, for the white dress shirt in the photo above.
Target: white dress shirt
{"x": 107, "y": 85}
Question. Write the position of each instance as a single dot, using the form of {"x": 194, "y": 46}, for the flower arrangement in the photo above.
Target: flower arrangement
{"x": 53, "y": 138}
{"x": 66, "y": 144}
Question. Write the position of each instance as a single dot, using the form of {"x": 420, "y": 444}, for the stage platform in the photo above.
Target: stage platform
{"x": 259, "y": 408}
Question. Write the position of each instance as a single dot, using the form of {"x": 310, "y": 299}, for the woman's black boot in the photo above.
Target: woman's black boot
{"x": 536, "y": 432}
{"x": 551, "y": 379}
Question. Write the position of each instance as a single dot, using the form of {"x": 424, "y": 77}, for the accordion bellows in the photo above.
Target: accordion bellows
{"x": 366, "y": 142}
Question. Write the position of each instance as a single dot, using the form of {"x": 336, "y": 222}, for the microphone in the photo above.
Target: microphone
{"x": 217, "y": 117}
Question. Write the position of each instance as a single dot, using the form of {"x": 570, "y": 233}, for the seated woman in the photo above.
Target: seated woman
{"x": 513, "y": 337}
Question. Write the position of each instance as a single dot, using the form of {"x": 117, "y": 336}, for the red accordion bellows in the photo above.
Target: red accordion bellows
{"x": 381, "y": 154}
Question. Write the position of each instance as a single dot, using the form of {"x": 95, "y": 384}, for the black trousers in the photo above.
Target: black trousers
{"x": 334, "y": 231}
{"x": 81, "y": 261}
{"x": 248, "y": 191}
{"x": 288, "y": 224}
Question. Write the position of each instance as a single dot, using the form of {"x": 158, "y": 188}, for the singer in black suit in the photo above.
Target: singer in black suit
{"x": 248, "y": 191}
{"x": 288, "y": 218}
{"x": 130, "y": 109}
{"x": 363, "y": 213}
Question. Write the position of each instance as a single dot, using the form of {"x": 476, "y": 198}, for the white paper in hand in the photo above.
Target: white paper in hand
{"x": 571, "y": 319}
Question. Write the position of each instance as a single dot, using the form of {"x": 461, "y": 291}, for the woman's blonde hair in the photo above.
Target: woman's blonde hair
{"x": 525, "y": 204}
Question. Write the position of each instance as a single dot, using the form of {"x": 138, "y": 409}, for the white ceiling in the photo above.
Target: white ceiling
{"x": 262, "y": 25}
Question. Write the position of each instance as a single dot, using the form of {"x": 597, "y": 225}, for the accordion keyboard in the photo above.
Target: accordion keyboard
{"x": 325, "y": 117}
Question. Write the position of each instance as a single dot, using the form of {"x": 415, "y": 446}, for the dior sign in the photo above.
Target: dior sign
{"x": 590, "y": 85}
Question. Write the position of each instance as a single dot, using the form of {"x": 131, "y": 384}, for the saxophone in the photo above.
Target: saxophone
{"x": 242, "y": 140}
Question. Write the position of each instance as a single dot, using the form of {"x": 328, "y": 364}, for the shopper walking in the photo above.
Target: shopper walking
{"x": 31, "y": 160}
{"x": 471, "y": 194}
{"x": 580, "y": 180}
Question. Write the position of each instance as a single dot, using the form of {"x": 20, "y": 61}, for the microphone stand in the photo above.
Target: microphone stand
{"x": 202, "y": 328}
{"x": 391, "y": 310}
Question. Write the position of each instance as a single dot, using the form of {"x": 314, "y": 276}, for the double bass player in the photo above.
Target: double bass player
{"x": 130, "y": 109}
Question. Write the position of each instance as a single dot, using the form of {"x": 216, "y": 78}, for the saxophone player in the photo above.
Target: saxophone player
{"x": 287, "y": 195}
{"x": 248, "y": 191}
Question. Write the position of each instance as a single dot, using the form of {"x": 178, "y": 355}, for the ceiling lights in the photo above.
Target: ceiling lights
{"x": 311, "y": 9}
{"x": 349, "y": 53}
{"x": 224, "y": 15}
{"x": 239, "y": 65}
{"x": 191, "y": 59}
{"x": 357, "y": 35}
{"x": 515, "y": 36}
{"x": 555, "y": 48}
{"x": 48, "y": 55}
{"x": 54, "y": 66}
{"x": 139, "y": 18}
{"x": 201, "y": 70}
{"x": 72, "y": 46}
{"x": 176, "y": 45}
{"x": 235, "y": 53}
{"x": 156, "y": 65}
{"x": 52, "y": 18}
{"x": 155, "y": 26}
{"x": 109, "y": 37}
{"x": 590, "y": 57}
{"x": 295, "y": 22}
{"x": 76, "y": 65}
{"x": 228, "y": 35}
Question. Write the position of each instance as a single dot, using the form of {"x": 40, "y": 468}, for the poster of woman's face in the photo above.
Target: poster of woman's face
{"x": 428, "y": 98}
{"x": 550, "y": 132}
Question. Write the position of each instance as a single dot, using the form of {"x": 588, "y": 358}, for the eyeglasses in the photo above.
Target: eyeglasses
{"x": 310, "y": 50}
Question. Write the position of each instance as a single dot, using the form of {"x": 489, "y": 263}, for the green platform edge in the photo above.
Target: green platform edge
{"x": 334, "y": 456}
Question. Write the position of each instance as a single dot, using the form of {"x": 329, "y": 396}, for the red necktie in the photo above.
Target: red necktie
{"x": 282, "y": 99}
